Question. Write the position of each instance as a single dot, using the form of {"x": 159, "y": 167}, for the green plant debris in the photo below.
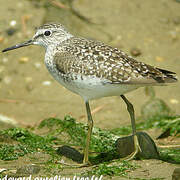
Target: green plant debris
{"x": 105, "y": 169}
{"x": 12, "y": 152}
{"x": 75, "y": 133}
{"x": 59, "y": 132}
{"x": 17, "y": 142}
{"x": 25, "y": 142}
{"x": 170, "y": 155}
{"x": 164, "y": 123}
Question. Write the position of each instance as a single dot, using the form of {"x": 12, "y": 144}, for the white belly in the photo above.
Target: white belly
{"x": 90, "y": 87}
{"x": 93, "y": 88}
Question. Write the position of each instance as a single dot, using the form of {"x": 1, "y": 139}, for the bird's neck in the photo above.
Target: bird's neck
{"x": 61, "y": 39}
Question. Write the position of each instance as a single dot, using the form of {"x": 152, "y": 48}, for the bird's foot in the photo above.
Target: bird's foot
{"x": 137, "y": 149}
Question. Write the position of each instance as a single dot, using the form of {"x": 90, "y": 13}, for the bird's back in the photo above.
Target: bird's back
{"x": 83, "y": 57}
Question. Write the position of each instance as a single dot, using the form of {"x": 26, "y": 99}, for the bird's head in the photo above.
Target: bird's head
{"x": 46, "y": 35}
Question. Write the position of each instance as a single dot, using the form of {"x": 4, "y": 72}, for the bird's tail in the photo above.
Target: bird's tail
{"x": 169, "y": 77}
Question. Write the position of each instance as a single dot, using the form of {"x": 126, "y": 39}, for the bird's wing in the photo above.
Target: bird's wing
{"x": 91, "y": 58}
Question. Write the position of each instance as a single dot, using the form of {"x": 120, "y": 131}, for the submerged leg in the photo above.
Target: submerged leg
{"x": 90, "y": 126}
{"x": 132, "y": 116}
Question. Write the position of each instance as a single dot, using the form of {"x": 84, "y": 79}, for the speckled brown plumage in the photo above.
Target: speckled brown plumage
{"x": 88, "y": 58}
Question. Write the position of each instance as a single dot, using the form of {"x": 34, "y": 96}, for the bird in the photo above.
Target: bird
{"x": 93, "y": 69}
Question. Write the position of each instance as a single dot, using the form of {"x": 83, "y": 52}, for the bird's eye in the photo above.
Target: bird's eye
{"x": 47, "y": 33}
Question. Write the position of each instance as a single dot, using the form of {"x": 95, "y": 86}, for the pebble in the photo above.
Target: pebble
{"x": 23, "y": 59}
{"x": 11, "y": 31}
{"x": 46, "y": 83}
{"x": 7, "y": 79}
{"x": 174, "y": 101}
{"x": 12, "y": 23}
{"x": 159, "y": 59}
{"x": 37, "y": 65}
{"x": 125, "y": 146}
{"x": 28, "y": 79}
{"x": 155, "y": 108}
{"x": 135, "y": 52}
{"x": 7, "y": 120}
{"x": 1, "y": 39}
{"x": 70, "y": 153}
{"x": 28, "y": 169}
{"x": 4, "y": 60}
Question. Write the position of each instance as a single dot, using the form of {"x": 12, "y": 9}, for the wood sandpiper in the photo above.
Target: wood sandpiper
{"x": 93, "y": 70}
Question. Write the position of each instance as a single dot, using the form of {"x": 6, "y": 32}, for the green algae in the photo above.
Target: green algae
{"x": 18, "y": 142}
{"x": 24, "y": 142}
{"x": 105, "y": 169}
{"x": 164, "y": 123}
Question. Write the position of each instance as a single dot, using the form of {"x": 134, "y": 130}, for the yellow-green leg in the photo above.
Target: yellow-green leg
{"x": 137, "y": 147}
{"x": 90, "y": 126}
{"x": 88, "y": 138}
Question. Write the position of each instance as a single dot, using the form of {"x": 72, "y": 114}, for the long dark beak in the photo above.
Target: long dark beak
{"x": 27, "y": 43}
